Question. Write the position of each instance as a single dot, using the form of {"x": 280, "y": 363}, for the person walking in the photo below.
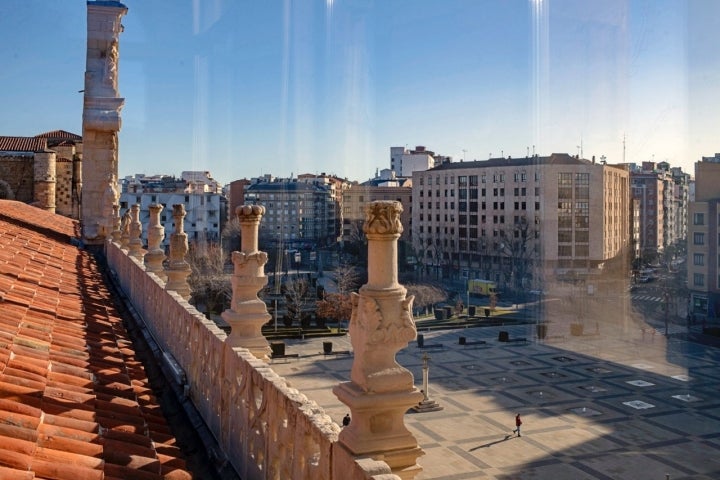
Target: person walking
{"x": 346, "y": 420}
{"x": 518, "y": 423}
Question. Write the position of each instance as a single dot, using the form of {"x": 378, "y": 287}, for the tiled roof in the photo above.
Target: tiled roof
{"x": 23, "y": 144}
{"x": 75, "y": 402}
{"x": 40, "y": 220}
{"x": 60, "y": 135}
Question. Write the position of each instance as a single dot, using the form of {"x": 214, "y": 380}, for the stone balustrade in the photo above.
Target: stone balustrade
{"x": 265, "y": 428}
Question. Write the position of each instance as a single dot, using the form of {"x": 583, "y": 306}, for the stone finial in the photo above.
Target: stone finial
{"x": 178, "y": 269}
{"x": 380, "y": 390}
{"x": 116, "y": 224}
{"x": 247, "y": 313}
{"x": 155, "y": 256}
{"x": 109, "y": 200}
{"x": 135, "y": 243}
{"x": 125, "y": 230}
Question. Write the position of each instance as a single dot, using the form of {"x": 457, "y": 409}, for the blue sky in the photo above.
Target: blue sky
{"x": 244, "y": 88}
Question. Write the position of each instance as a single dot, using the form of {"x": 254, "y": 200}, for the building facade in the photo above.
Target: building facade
{"x": 704, "y": 240}
{"x": 206, "y": 211}
{"x": 404, "y": 162}
{"x": 298, "y": 213}
{"x": 517, "y": 221}
{"x": 356, "y": 196}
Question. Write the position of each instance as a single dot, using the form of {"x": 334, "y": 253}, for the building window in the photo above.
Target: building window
{"x": 698, "y": 259}
{"x": 698, "y": 238}
{"x": 699, "y": 219}
{"x": 462, "y": 181}
{"x": 564, "y": 250}
{"x": 698, "y": 279}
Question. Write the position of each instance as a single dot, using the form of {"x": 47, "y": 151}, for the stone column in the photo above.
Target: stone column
{"x": 155, "y": 256}
{"x": 135, "y": 244}
{"x": 117, "y": 224}
{"x": 380, "y": 391}
{"x": 247, "y": 313}
{"x": 178, "y": 269}
{"x": 125, "y": 230}
{"x": 101, "y": 115}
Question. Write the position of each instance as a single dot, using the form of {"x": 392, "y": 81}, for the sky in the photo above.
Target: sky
{"x": 244, "y": 88}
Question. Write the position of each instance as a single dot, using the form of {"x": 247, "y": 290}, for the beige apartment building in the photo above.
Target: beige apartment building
{"x": 356, "y": 196}
{"x": 521, "y": 221}
{"x": 704, "y": 240}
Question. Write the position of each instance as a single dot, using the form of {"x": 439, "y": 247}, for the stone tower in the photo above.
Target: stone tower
{"x": 101, "y": 119}
{"x": 44, "y": 180}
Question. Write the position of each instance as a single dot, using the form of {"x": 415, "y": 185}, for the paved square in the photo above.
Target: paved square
{"x": 618, "y": 405}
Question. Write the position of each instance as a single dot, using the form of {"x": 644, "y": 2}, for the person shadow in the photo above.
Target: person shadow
{"x": 488, "y": 445}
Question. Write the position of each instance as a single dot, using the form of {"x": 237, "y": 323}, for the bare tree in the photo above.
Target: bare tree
{"x": 518, "y": 252}
{"x": 426, "y": 295}
{"x": 296, "y": 296}
{"x": 209, "y": 283}
{"x": 231, "y": 235}
{"x": 346, "y": 278}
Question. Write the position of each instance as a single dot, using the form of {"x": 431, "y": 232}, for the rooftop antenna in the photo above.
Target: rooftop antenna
{"x": 464, "y": 151}
{"x": 624, "y": 136}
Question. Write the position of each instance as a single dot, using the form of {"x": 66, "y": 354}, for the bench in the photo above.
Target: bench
{"x": 338, "y": 352}
{"x": 431, "y": 345}
{"x": 463, "y": 341}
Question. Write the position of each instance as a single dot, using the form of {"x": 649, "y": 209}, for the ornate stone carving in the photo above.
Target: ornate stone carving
{"x": 135, "y": 244}
{"x": 116, "y": 224}
{"x": 178, "y": 269}
{"x": 383, "y": 217}
{"x": 101, "y": 118}
{"x": 155, "y": 256}
{"x": 125, "y": 230}
{"x": 247, "y": 313}
{"x": 381, "y": 390}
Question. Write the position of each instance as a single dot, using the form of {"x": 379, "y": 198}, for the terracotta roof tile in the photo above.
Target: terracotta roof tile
{"x": 13, "y": 474}
{"x": 75, "y": 403}
{"x": 23, "y": 144}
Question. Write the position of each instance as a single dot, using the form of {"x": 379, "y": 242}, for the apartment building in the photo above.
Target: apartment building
{"x": 663, "y": 193}
{"x": 404, "y": 162}
{"x": 298, "y": 213}
{"x": 206, "y": 211}
{"x": 519, "y": 220}
{"x": 704, "y": 240}
{"x": 385, "y": 186}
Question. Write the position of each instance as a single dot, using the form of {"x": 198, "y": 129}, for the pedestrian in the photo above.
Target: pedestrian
{"x": 346, "y": 420}
{"x": 518, "y": 422}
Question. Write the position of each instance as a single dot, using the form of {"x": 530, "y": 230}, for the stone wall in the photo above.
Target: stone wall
{"x": 63, "y": 188}
{"x": 16, "y": 171}
{"x": 266, "y": 428}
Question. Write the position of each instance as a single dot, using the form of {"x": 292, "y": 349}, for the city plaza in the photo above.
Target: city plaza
{"x": 616, "y": 403}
